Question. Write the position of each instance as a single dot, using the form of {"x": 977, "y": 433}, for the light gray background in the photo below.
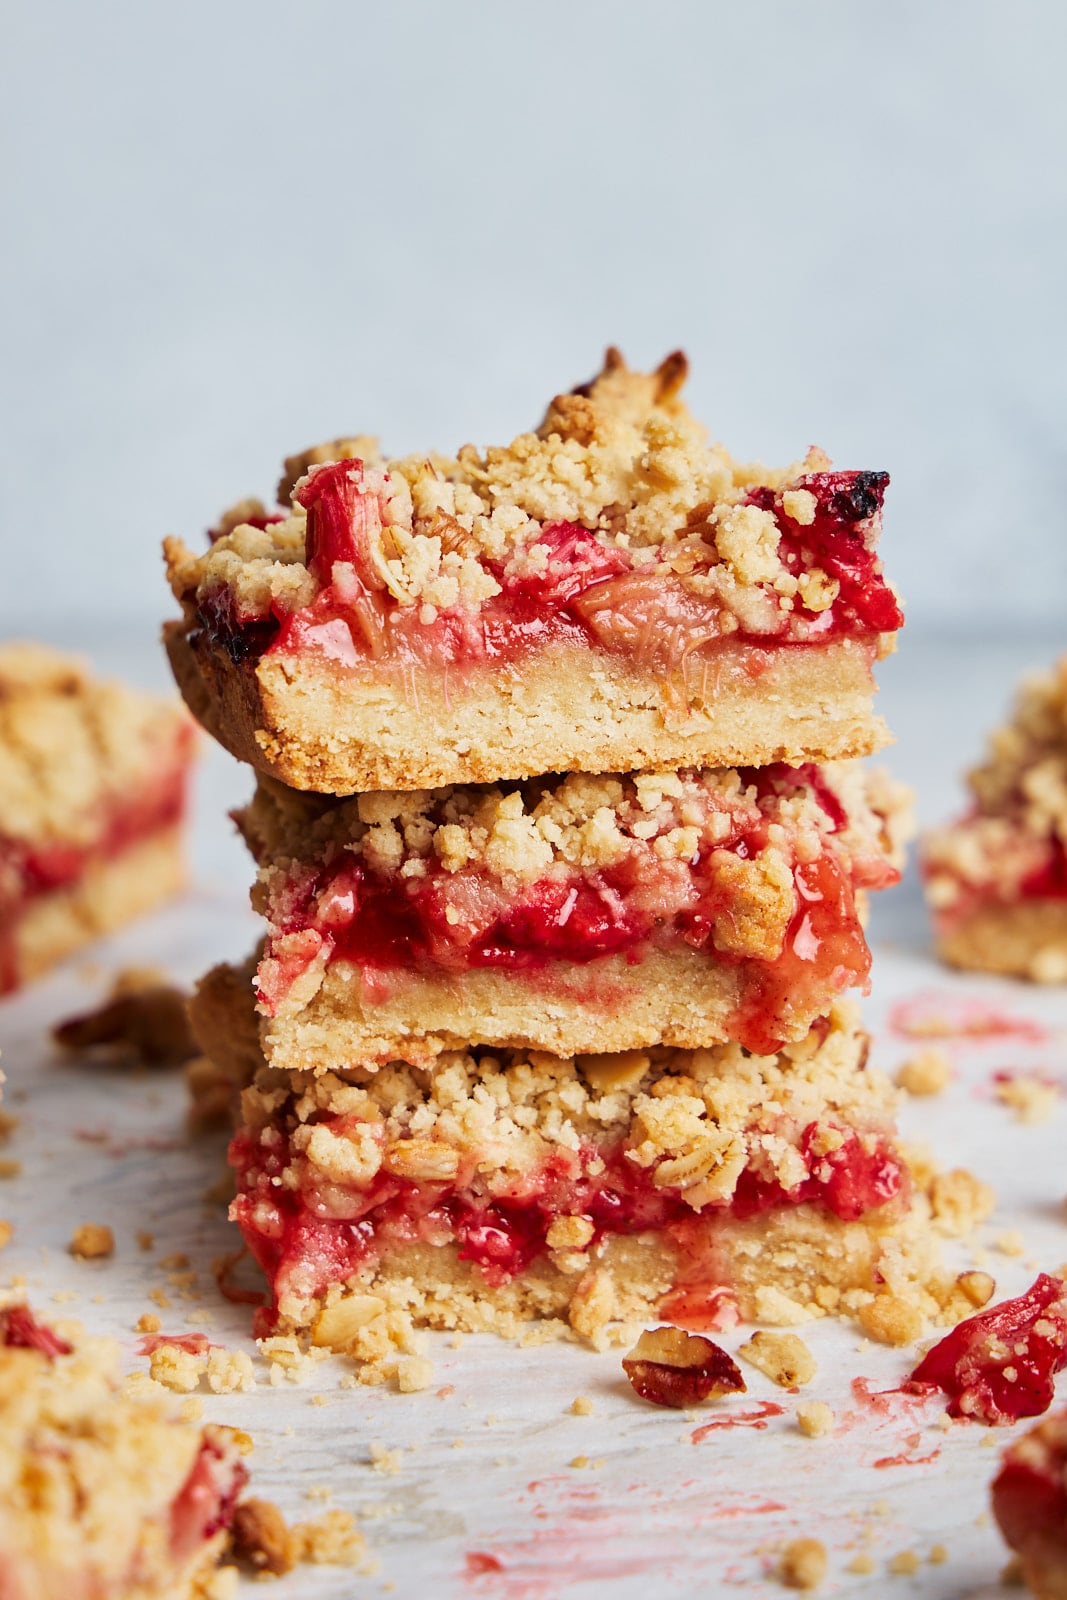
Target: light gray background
{"x": 232, "y": 229}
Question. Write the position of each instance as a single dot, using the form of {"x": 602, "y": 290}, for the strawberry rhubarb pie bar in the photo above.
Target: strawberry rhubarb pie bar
{"x": 996, "y": 881}
{"x": 92, "y": 792}
{"x": 103, "y": 1496}
{"x": 607, "y": 593}
{"x": 575, "y": 914}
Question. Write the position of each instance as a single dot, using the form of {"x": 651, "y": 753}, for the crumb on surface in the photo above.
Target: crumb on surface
{"x": 148, "y": 1322}
{"x": 10, "y": 1169}
{"x": 7, "y": 1230}
{"x": 783, "y": 1357}
{"x": 384, "y": 1460}
{"x": 262, "y": 1539}
{"x": 891, "y": 1319}
{"x": 959, "y": 1201}
{"x": 92, "y": 1241}
{"x": 862, "y": 1564}
{"x": 582, "y": 1406}
{"x": 938, "y": 1555}
{"x": 815, "y": 1419}
{"x": 331, "y": 1539}
{"x": 904, "y": 1564}
{"x": 413, "y": 1373}
{"x": 1009, "y": 1241}
{"x": 803, "y": 1564}
{"x": 1031, "y": 1098}
{"x": 146, "y": 1240}
{"x": 927, "y": 1072}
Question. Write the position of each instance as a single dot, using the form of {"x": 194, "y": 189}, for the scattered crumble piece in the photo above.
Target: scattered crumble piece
{"x": 815, "y": 1419}
{"x": 92, "y": 1241}
{"x": 579, "y": 1461}
{"x": 783, "y": 1357}
{"x": 63, "y": 1297}
{"x": 891, "y": 1319}
{"x": 148, "y": 1322}
{"x": 385, "y": 1460}
{"x": 926, "y": 1072}
{"x": 230, "y": 1371}
{"x": 457, "y": 1341}
{"x": 10, "y": 1169}
{"x": 288, "y": 1360}
{"x": 582, "y": 1406}
{"x": 146, "y": 1240}
{"x": 938, "y": 1555}
{"x": 317, "y": 1400}
{"x": 7, "y": 1230}
{"x": 1009, "y": 1242}
{"x": 1032, "y": 1099}
{"x": 192, "y": 1408}
{"x": 446, "y": 1392}
{"x": 862, "y": 1564}
{"x": 331, "y": 1539}
{"x": 161, "y": 1298}
{"x": 177, "y": 1368}
{"x": 413, "y": 1373}
{"x": 8, "y": 1123}
{"x": 173, "y": 1263}
{"x": 803, "y": 1564}
{"x": 904, "y": 1564}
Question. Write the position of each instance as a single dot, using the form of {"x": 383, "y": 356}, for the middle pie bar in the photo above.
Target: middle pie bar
{"x": 572, "y": 915}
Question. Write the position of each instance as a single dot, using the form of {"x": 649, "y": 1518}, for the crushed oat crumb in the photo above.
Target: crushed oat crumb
{"x": 148, "y": 1322}
{"x": 92, "y": 1241}
{"x": 413, "y": 1373}
{"x": 385, "y": 1460}
{"x": 938, "y": 1555}
{"x": 783, "y": 1357}
{"x": 803, "y": 1564}
{"x": 905, "y": 1564}
{"x": 891, "y": 1319}
{"x": 145, "y": 1240}
{"x": 582, "y": 1406}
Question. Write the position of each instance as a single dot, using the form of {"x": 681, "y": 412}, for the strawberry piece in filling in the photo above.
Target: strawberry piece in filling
{"x": 1000, "y": 1365}
{"x": 20, "y": 1330}
{"x": 587, "y": 593}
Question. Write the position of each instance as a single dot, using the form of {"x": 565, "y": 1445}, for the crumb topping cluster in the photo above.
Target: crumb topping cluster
{"x": 698, "y": 1118}
{"x": 519, "y": 833}
{"x": 621, "y": 457}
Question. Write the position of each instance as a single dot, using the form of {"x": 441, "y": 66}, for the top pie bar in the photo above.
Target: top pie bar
{"x": 608, "y": 593}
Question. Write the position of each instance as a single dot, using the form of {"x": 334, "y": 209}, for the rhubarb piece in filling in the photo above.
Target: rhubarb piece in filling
{"x": 566, "y": 914}
{"x": 103, "y": 1496}
{"x": 1030, "y": 1505}
{"x": 996, "y": 881}
{"x": 92, "y": 792}
{"x": 607, "y": 593}
{"x": 511, "y": 1185}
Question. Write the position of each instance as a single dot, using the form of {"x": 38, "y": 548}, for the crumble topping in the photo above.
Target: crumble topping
{"x": 815, "y": 1419}
{"x": 622, "y": 458}
{"x": 697, "y": 1117}
{"x": 92, "y": 1241}
{"x": 804, "y": 1564}
{"x": 927, "y": 1072}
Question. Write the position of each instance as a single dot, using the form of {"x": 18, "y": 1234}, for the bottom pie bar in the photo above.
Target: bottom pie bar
{"x": 598, "y": 1191}
{"x": 103, "y": 1496}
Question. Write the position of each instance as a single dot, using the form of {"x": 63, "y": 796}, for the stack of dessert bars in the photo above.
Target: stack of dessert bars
{"x": 563, "y": 848}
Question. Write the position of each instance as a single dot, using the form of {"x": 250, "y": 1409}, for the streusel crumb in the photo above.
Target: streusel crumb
{"x": 804, "y": 1564}
{"x": 890, "y": 1319}
{"x": 927, "y": 1072}
{"x": 1031, "y": 1098}
{"x": 815, "y": 1419}
{"x": 92, "y": 1241}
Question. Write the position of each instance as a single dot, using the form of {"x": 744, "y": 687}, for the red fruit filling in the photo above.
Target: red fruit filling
{"x": 999, "y": 1365}
{"x": 20, "y": 1330}
{"x": 1030, "y": 1497}
{"x": 306, "y": 1239}
{"x": 206, "y": 1502}
{"x": 29, "y": 871}
{"x": 588, "y": 593}
{"x": 453, "y": 922}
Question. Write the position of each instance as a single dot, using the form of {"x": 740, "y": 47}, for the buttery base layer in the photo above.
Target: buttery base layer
{"x": 320, "y": 727}
{"x": 680, "y": 998}
{"x": 109, "y": 893}
{"x": 1027, "y": 939}
{"x": 782, "y": 1268}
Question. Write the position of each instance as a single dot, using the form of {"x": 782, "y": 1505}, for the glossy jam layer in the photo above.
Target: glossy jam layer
{"x": 455, "y": 922}
{"x": 306, "y": 1240}
{"x": 29, "y": 871}
{"x": 588, "y": 593}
